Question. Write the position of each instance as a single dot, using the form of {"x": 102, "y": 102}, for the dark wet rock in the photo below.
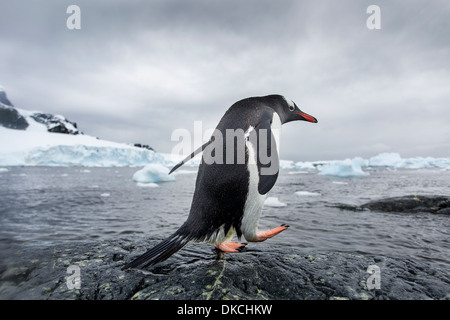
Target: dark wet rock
{"x": 264, "y": 271}
{"x": 58, "y": 124}
{"x": 144, "y": 146}
{"x": 3, "y": 98}
{"x": 411, "y": 203}
{"x": 11, "y": 118}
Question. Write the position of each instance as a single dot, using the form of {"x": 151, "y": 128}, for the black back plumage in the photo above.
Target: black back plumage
{"x": 221, "y": 187}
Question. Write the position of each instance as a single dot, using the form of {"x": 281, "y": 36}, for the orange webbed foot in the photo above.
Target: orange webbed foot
{"x": 230, "y": 246}
{"x": 264, "y": 235}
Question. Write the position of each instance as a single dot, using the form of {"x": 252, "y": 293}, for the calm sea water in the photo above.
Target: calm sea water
{"x": 45, "y": 206}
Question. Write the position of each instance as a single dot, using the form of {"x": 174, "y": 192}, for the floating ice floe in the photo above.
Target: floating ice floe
{"x": 147, "y": 185}
{"x": 274, "y": 203}
{"x": 297, "y": 172}
{"x": 153, "y": 173}
{"x": 307, "y": 194}
{"x": 339, "y": 182}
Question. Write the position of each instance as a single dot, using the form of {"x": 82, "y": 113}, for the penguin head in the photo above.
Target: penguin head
{"x": 288, "y": 111}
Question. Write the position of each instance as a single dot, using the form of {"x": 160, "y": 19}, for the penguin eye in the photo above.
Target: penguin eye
{"x": 291, "y": 108}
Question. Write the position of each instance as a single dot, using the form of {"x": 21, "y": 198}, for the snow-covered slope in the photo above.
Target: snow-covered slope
{"x": 43, "y": 139}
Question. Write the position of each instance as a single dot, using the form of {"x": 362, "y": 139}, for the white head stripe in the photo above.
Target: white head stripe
{"x": 289, "y": 102}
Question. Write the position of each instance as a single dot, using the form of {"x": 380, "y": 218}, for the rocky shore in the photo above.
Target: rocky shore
{"x": 266, "y": 272}
{"x": 93, "y": 271}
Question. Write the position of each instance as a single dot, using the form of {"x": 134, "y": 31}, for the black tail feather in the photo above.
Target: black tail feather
{"x": 160, "y": 252}
{"x": 189, "y": 157}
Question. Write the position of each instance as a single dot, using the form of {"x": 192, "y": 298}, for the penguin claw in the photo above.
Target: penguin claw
{"x": 241, "y": 248}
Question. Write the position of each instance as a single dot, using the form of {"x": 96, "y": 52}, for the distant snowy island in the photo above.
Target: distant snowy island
{"x": 34, "y": 138}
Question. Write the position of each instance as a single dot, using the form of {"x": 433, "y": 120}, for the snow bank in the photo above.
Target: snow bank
{"x": 153, "y": 173}
{"x": 274, "y": 203}
{"x": 345, "y": 168}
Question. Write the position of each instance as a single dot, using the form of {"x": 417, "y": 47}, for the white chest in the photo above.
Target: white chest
{"x": 255, "y": 201}
{"x": 276, "y": 130}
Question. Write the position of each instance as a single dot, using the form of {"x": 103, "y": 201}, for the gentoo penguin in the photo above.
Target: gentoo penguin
{"x": 231, "y": 186}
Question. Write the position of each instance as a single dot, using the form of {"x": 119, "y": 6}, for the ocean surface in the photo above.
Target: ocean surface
{"x": 47, "y": 206}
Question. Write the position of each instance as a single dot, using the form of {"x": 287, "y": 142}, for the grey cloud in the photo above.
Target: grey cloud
{"x": 137, "y": 70}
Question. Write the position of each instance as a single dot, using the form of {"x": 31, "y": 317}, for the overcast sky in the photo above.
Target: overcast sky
{"x": 138, "y": 70}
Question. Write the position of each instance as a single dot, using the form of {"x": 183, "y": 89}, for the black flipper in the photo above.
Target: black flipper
{"x": 160, "y": 252}
{"x": 267, "y": 160}
{"x": 189, "y": 157}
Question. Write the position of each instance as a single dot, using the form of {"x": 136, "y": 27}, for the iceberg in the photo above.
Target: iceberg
{"x": 304, "y": 165}
{"x": 394, "y": 160}
{"x": 345, "y": 168}
{"x": 385, "y": 160}
{"x": 287, "y": 164}
{"x": 152, "y": 173}
{"x": 354, "y": 167}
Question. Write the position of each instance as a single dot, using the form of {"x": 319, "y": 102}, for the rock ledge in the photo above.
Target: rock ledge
{"x": 263, "y": 272}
